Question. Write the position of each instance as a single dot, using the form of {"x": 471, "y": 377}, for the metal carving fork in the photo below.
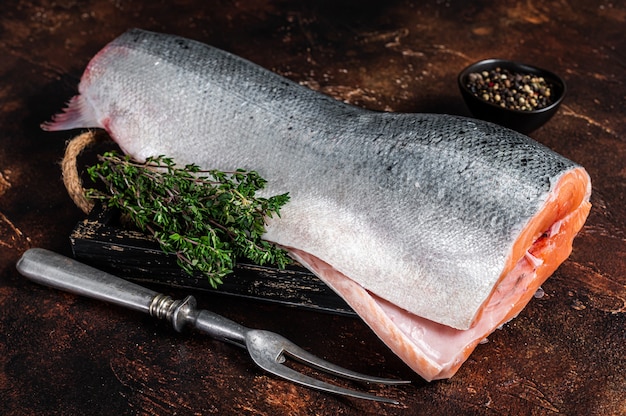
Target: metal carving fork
{"x": 267, "y": 349}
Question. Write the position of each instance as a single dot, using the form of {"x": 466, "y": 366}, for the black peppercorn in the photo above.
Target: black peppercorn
{"x": 523, "y": 92}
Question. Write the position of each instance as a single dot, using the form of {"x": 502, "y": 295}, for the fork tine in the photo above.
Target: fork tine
{"x": 321, "y": 364}
{"x": 292, "y": 375}
{"x": 267, "y": 349}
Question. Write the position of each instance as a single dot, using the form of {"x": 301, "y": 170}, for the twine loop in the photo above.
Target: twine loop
{"x": 71, "y": 177}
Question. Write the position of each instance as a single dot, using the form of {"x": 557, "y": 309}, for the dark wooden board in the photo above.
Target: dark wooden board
{"x": 101, "y": 241}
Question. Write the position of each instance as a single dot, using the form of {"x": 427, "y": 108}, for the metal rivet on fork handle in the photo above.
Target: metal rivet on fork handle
{"x": 268, "y": 350}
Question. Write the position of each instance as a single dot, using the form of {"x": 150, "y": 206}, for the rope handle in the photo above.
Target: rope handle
{"x": 71, "y": 178}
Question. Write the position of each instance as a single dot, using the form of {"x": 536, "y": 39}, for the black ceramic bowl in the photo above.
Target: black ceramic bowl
{"x": 520, "y": 120}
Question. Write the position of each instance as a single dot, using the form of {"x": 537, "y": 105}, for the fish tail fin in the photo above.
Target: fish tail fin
{"x": 79, "y": 113}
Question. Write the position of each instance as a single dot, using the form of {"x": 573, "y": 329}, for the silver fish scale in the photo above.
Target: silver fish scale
{"x": 421, "y": 209}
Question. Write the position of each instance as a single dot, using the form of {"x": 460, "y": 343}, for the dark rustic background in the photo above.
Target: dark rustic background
{"x": 565, "y": 353}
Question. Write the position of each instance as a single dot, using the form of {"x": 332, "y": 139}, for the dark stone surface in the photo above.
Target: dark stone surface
{"x": 564, "y": 354}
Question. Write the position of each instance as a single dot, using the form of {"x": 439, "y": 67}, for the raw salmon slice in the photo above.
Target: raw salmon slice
{"x": 435, "y": 228}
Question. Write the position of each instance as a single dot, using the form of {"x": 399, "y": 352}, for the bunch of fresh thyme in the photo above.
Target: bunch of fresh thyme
{"x": 207, "y": 218}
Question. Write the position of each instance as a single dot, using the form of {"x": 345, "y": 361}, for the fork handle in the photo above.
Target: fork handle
{"x": 57, "y": 271}
{"x": 60, "y": 272}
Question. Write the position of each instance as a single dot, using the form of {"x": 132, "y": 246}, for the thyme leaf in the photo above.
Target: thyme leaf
{"x": 208, "y": 219}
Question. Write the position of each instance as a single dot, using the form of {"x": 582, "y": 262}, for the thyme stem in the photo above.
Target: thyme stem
{"x": 207, "y": 218}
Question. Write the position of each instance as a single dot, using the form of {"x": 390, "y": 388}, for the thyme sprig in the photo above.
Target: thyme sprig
{"x": 208, "y": 219}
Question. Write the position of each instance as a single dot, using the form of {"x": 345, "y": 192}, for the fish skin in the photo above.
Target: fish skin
{"x": 420, "y": 209}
